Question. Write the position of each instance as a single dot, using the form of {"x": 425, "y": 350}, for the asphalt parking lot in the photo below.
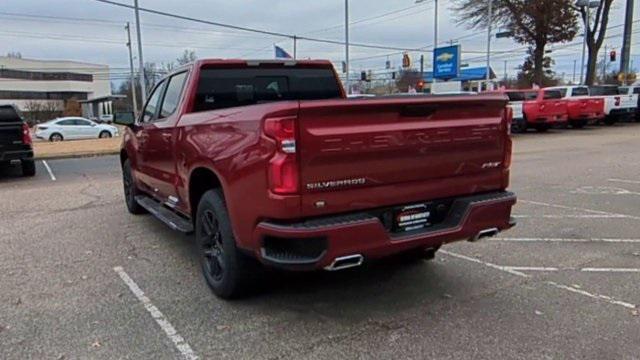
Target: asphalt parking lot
{"x": 81, "y": 278}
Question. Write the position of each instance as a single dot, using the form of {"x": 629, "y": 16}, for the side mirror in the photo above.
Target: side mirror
{"x": 124, "y": 118}
{"x": 94, "y": 124}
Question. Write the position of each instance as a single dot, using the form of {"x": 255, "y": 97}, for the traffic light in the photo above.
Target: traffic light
{"x": 420, "y": 85}
{"x": 612, "y": 56}
{"x": 393, "y": 75}
{"x": 363, "y": 76}
{"x": 406, "y": 60}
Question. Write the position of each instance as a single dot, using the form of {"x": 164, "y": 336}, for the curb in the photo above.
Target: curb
{"x": 76, "y": 156}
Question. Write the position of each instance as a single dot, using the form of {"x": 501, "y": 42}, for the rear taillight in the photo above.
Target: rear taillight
{"x": 508, "y": 118}
{"x": 26, "y": 135}
{"x": 283, "y": 166}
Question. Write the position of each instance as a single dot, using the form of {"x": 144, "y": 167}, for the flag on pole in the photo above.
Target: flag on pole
{"x": 281, "y": 53}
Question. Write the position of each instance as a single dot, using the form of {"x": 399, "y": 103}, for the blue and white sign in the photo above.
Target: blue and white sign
{"x": 446, "y": 62}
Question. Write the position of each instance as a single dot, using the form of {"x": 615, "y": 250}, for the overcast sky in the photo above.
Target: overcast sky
{"x": 100, "y": 36}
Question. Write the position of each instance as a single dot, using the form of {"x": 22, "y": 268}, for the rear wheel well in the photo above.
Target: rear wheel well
{"x": 201, "y": 181}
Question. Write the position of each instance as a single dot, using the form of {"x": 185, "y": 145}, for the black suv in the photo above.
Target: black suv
{"x": 15, "y": 141}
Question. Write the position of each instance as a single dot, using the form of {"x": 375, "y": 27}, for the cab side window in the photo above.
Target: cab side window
{"x": 149, "y": 113}
{"x": 172, "y": 95}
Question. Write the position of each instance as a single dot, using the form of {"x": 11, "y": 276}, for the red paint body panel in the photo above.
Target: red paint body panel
{"x": 585, "y": 108}
{"x": 406, "y": 149}
{"x": 543, "y": 111}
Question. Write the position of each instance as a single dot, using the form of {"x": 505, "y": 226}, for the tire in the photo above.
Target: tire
{"x": 518, "y": 126}
{"x": 104, "y": 134}
{"x": 55, "y": 137}
{"x": 610, "y": 120}
{"x": 227, "y": 271}
{"x": 542, "y": 128}
{"x": 28, "y": 167}
{"x": 578, "y": 124}
{"x": 130, "y": 190}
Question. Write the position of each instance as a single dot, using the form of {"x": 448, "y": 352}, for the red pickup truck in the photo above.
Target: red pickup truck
{"x": 269, "y": 161}
{"x": 541, "y": 108}
{"x": 581, "y": 108}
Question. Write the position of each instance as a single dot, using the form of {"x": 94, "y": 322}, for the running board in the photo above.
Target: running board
{"x": 170, "y": 218}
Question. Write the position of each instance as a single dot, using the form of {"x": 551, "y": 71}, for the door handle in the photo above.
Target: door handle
{"x": 166, "y": 135}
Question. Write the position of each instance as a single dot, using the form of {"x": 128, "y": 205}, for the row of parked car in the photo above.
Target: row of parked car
{"x": 575, "y": 106}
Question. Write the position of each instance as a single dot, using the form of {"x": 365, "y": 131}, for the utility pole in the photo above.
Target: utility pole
{"x": 133, "y": 77}
{"x": 143, "y": 87}
{"x": 422, "y": 66}
{"x": 626, "y": 42}
{"x": 489, "y": 21}
{"x": 295, "y": 47}
{"x": 505, "y": 71}
{"x": 604, "y": 64}
{"x": 346, "y": 43}
{"x": 573, "y": 80}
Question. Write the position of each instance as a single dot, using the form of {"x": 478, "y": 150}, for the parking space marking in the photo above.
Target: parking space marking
{"x": 511, "y": 270}
{"x": 625, "y": 181}
{"x": 608, "y": 299}
{"x": 179, "y": 342}
{"x": 599, "y": 212}
{"x": 53, "y": 177}
{"x": 590, "y": 216}
{"x": 591, "y": 269}
{"x": 560, "y": 240}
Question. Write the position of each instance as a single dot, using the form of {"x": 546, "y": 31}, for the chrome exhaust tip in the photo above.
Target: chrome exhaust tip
{"x": 485, "y": 234}
{"x": 345, "y": 262}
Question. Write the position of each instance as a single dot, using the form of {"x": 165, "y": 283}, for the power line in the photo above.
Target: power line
{"x": 253, "y": 30}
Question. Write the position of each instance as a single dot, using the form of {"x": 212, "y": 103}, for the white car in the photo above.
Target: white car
{"x": 71, "y": 128}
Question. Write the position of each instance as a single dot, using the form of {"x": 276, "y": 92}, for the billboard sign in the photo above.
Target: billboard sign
{"x": 446, "y": 62}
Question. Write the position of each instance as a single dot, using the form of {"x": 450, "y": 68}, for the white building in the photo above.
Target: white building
{"x": 50, "y": 83}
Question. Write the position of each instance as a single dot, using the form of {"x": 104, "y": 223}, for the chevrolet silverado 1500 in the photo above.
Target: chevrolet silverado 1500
{"x": 581, "y": 108}
{"x": 270, "y": 164}
{"x": 541, "y": 109}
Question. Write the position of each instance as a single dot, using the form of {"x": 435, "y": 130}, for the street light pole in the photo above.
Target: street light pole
{"x": 435, "y": 25}
{"x": 489, "y": 20}
{"x": 143, "y": 89}
{"x": 346, "y": 44}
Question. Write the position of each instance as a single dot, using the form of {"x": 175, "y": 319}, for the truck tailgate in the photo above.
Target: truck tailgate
{"x": 10, "y": 134}
{"x": 399, "y": 149}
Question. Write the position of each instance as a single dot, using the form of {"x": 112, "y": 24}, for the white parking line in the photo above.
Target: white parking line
{"x": 510, "y": 270}
{"x": 179, "y": 342}
{"x": 584, "y": 216}
{"x": 560, "y": 240}
{"x": 53, "y": 177}
{"x": 599, "y": 212}
{"x": 594, "y": 296}
{"x": 591, "y": 269}
{"x": 625, "y": 181}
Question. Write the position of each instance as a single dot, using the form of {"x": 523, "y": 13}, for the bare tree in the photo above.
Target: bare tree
{"x": 534, "y": 23}
{"x": 595, "y": 36}
{"x": 188, "y": 56}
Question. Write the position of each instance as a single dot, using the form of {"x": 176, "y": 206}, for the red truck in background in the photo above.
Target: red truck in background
{"x": 270, "y": 164}
{"x": 541, "y": 108}
{"x": 582, "y": 109}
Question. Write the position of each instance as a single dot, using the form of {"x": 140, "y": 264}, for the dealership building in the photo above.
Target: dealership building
{"x": 48, "y": 85}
